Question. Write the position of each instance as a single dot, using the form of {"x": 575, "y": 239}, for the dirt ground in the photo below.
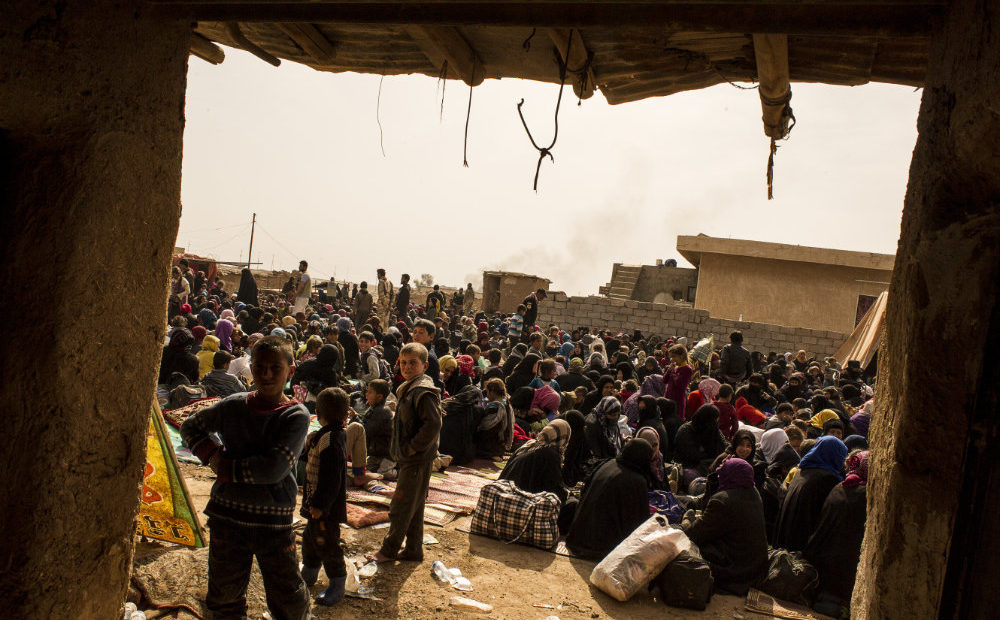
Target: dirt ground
{"x": 511, "y": 578}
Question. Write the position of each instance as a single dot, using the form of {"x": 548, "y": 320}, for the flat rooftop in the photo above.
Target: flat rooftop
{"x": 692, "y": 248}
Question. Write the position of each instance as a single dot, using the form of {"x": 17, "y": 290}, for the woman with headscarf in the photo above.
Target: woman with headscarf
{"x": 652, "y": 385}
{"x": 545, "y": 403}
{"x": 671, "y": 423}
{"x": 657, "y": 474}
{"x": 520, "y": 403}
{"x": 707, "y": 390}
{"x": 743, "y": 446}
{"x": 615, "y": 501}
{"x": 730, "y": 532}
{"x": 649, "y": 416}
{"x": 817, "y": 422}
{"x": 247, "y": 292}
{"x": 524, "y": 372}
{"x": 224, "y": 332}
{"x": 835, "y": 547}
{"x": 578, "y": 462}
{"x": 349, "y": 342}
{"x": 513, "y": 360}
{"x": 604, "y": 436}
{"x": 779, "y": 458}
{"x": 625, "y": 371}
{"x": 177, "y": 358}
{"x": 698, "y": 443}
{"x": 320, "y": 372}
{"x": 537, "y": 465}
{"x": 206, "y": 356}
{"x": 207, "y": 318}
{"x": 574, "y": 377}
{"x": 820, "y": 470}
{"x": 453, "y": 380}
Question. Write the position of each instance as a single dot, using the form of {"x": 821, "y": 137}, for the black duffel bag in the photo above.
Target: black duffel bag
{"x": 687, "y": 581}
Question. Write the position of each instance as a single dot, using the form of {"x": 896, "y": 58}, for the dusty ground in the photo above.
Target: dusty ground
{"x": 512, "y": 578}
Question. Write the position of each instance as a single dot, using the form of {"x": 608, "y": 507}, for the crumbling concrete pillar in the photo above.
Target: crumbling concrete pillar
{"x": 91, "y": 124}
{"x": 930, "y": 549}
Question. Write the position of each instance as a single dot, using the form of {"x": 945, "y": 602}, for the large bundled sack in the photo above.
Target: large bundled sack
{"x": 790, "y": 577}
{"x": 687, "y": 581}
{"x": 507, "y": 513}
{"x": 458, "y": 425}
{"x": 641, "y": 556}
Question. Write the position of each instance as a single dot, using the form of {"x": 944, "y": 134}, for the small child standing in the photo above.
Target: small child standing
{"x": 253, "y": 499}
{"x": 416, "y": 431}
{"x": 324, "y": 496}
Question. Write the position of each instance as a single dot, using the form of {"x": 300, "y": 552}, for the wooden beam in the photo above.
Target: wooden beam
{"x": 764, "y": 16}
{"x": 206, "y": 50}
{"x": 579, "y": 56}
{"x": 771, "y": 52}
{"x": 444, "y": 43}
{"x": 310, "y": 39}
{"x": 234, "y": 32}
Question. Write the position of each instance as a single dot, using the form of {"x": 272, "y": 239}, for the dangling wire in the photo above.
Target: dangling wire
{"x": 468, "y": 114}
{"x": 785, "y": 125}
{"x": 378, "y": 113}
{"x": 527, "y": 42}
{"x": 544, "y": 152}
{"x": 442, "y": 84}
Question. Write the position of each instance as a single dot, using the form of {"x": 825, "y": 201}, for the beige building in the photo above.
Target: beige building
{"x": 791, "y": 285}
{"x": 504, "y": 290}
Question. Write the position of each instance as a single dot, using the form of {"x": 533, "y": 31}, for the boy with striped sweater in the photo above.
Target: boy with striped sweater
{"x": 259, "y": 438}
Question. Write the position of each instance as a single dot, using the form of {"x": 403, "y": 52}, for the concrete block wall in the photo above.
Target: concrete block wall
{"x": 669, "y": 321}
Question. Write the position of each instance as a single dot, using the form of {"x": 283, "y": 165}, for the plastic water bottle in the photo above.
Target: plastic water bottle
{"x": 468, "y": 604}
{"x": 130, "y": 608}
{"x": 439, "y": 570}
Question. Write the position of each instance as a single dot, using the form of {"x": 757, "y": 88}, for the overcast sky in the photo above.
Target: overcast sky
{"x": 302, "y": 149}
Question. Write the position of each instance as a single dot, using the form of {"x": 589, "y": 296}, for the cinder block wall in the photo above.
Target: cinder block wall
{"x": 668, "y": 321}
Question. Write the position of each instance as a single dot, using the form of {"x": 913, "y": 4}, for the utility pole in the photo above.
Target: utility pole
{"x": 250, "y": 251}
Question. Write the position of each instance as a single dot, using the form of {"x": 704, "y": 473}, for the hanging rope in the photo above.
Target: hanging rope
{"x": 468, "y": 114}
{"x": 783, "y": 129}
{"x": 378, "y": 114}
{"x": 731, "y": 83}
{"x": 442, "y": 84}
{"x": 527, "y": 42}
{"x": 546, "y": 151}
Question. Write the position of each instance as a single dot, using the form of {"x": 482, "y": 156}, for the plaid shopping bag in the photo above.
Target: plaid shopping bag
{"x": 507, "y": 513}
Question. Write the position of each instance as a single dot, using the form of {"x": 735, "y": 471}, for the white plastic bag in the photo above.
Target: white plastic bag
{"x": 639, "y": 558}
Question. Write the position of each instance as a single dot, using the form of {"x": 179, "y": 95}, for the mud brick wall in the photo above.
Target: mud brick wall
{"x": 669, "y": 320}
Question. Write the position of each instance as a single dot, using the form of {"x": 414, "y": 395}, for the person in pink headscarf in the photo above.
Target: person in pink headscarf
{"x": 707, "y": 390}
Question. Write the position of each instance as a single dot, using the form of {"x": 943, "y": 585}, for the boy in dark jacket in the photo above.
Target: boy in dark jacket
{"x": 324, "y": 496}
{"x": 416, "y": 431}
{"x": 253, "y": 499}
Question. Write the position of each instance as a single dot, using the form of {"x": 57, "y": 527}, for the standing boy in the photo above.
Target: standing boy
{"x": 324, "y": 496}
{"x": 253, "y": 499}
{"x": 303, "y": 290}
{"x": 416, "y": 430}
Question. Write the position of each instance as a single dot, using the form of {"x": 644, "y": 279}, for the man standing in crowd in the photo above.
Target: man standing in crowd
{"x": 384, "y": 298}
{"x": 303, "y": 290}
{"x": 734, "y": 361}
{"x": 469, "y": 299}
{"x": 531, "y": 311}
{"x": 403, "y": 297}
{"x": 434, "y": 303}
{"x": 363, "y": 304}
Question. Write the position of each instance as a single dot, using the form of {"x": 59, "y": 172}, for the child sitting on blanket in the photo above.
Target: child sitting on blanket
{"x": 378, "y": 429}
{"x": 324, "y": 496}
